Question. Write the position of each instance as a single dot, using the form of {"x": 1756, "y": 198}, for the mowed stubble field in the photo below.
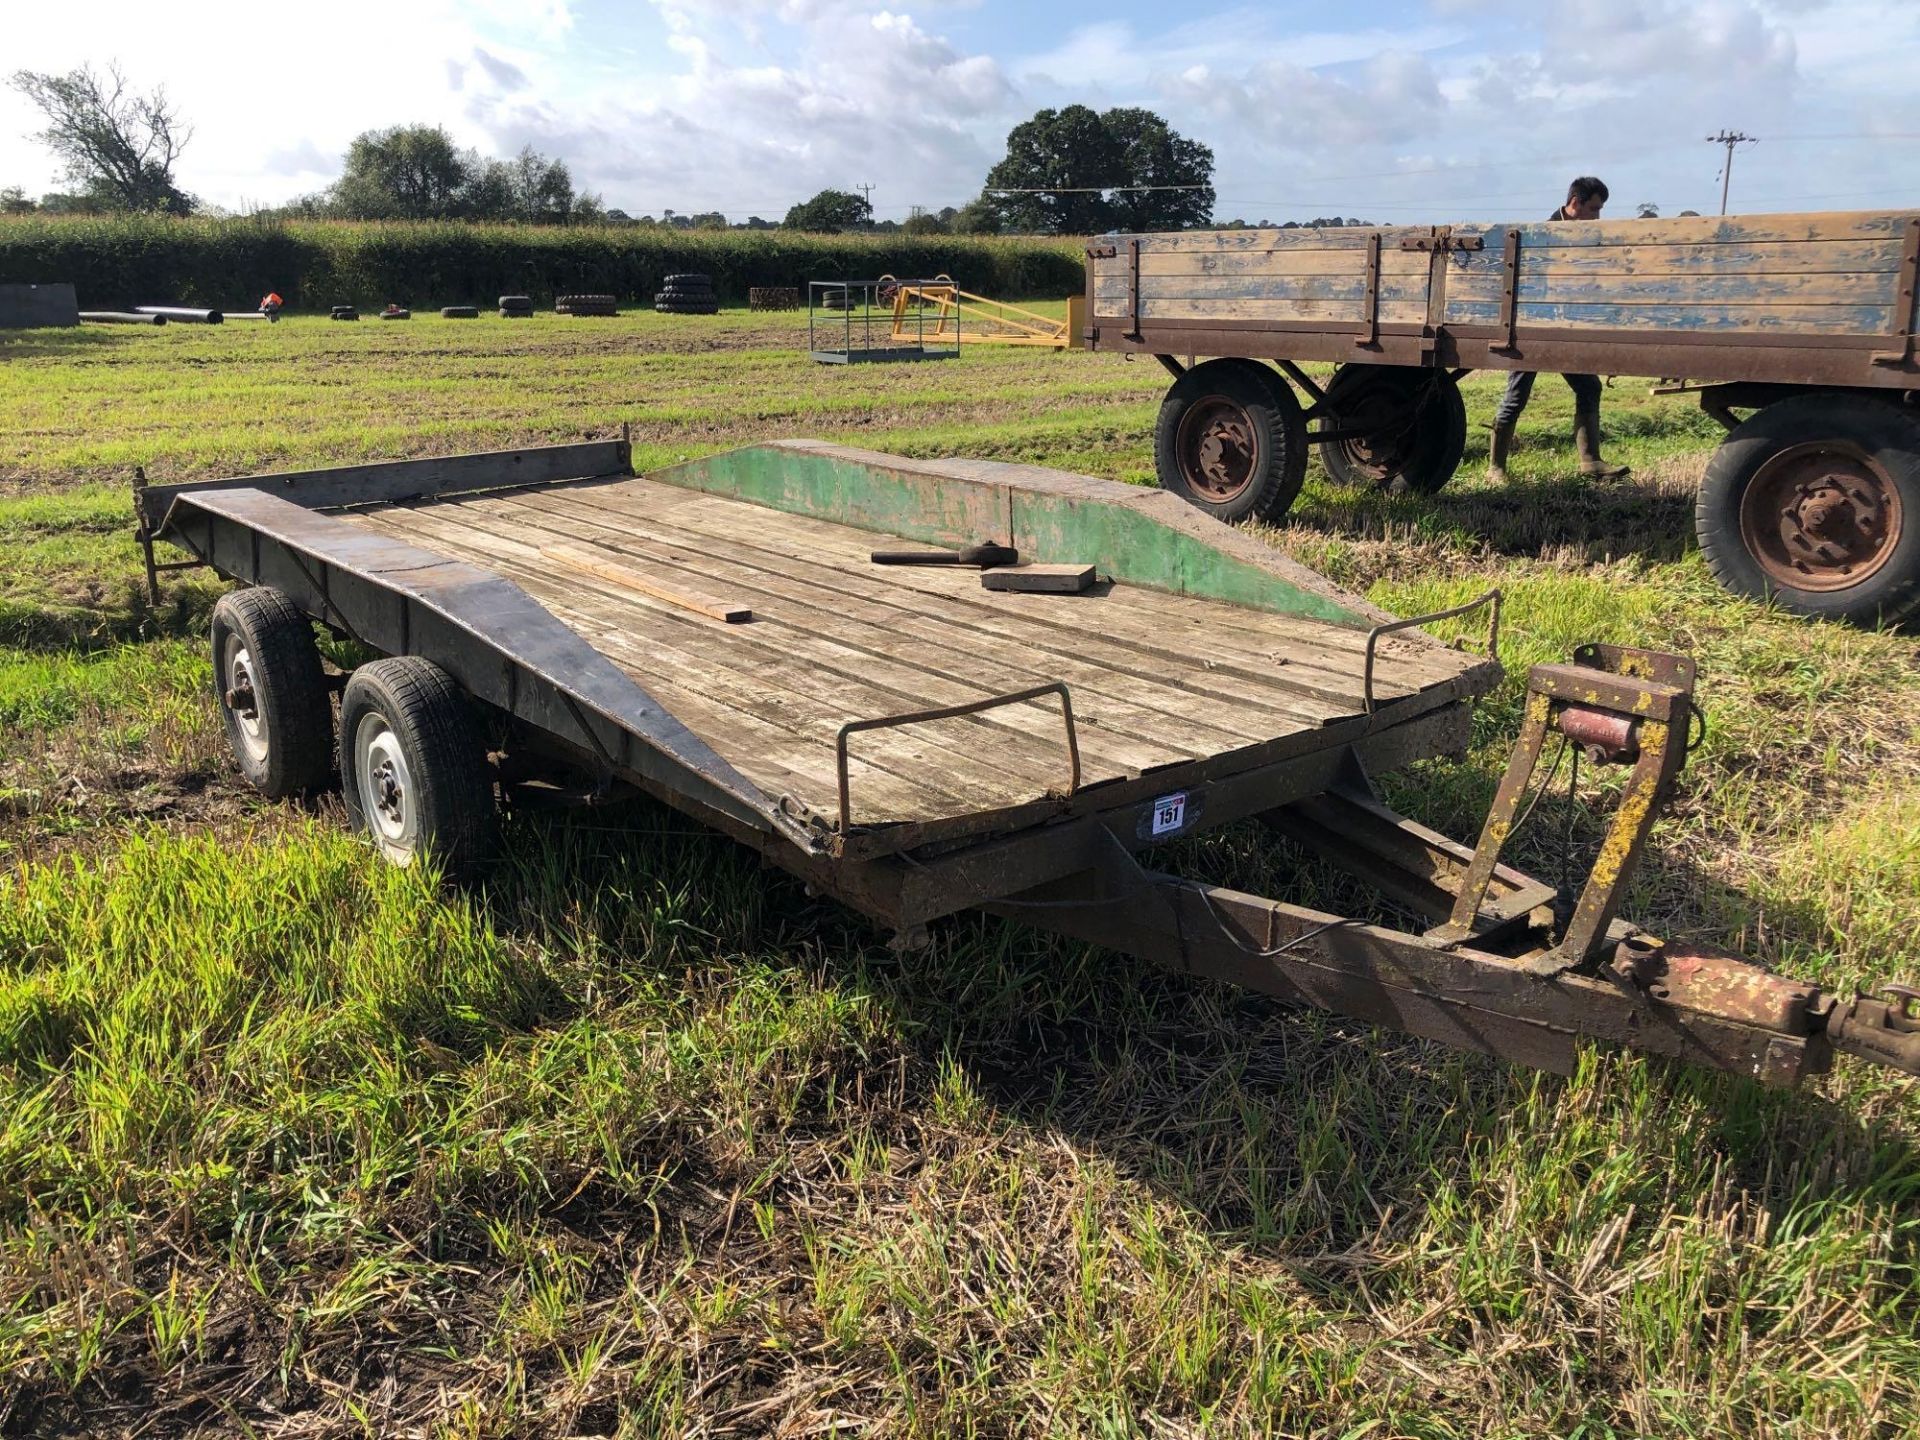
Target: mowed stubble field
{"x": 635, "y": 1137}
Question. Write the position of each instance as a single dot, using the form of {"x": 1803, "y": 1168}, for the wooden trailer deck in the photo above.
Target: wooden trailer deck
{"x": 1159, "y": 680}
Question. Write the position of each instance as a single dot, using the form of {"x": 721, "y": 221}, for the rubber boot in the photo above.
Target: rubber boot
{"x": 1586, "y": 440}
{"x": 1497, "y": 450}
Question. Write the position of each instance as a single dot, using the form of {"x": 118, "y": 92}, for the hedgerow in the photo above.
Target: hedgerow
{"x": 134, "y": 260}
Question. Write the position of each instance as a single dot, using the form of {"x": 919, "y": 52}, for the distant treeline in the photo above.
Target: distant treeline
{"x": 145, "y": 259}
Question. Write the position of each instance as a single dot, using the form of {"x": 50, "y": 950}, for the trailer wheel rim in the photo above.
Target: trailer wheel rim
{"x": 242, "y": 699}
{"x": 1821, "y": 516}
{"x": 1384, "y": 413}
{"x": 385, "y": 784}
{"x": 1215, "y": 445}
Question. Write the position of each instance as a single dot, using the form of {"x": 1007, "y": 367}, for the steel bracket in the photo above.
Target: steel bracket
{"x": 1646, "y": 699}
{"x": 1371, "y": 339}
{"x": 1443, "y": 242}
{"x": 1510, "y": 297}
{"x": 1903, "y": 300}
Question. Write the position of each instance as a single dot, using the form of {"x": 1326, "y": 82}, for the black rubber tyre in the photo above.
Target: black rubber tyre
{"x": 1420, "y": 421}
{"x": 515, "y": 302}
{"x": 1814, "y": 503}
{"x": 396, "y": 314}
{"x": 1231, "y": 439}
{"x": 413, "y": 767}
{"x": 271, "y": 692}
{"x": 516, "y": 314}
{"x": 460, "y": 312}
{"x": 687, "y": 277}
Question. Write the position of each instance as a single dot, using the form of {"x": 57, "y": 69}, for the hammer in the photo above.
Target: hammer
{"x": 984, "y": 556}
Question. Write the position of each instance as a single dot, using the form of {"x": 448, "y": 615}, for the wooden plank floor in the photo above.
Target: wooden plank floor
{"x": 1157, "y": 680}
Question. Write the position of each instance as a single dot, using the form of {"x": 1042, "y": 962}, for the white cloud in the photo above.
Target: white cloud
{"x": 1469, "y": 108}
{"x": 269, "y": 91}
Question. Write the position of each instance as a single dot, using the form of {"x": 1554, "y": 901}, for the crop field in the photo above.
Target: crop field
{"x": 634, "y": 1137}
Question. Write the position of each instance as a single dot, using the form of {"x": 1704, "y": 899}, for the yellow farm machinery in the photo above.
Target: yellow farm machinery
{"x": 993, "y": 321}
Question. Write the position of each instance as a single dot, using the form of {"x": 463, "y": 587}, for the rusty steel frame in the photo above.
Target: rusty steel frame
{"x": 1742, "y": 1019}
{"x": 1489, "y": 977}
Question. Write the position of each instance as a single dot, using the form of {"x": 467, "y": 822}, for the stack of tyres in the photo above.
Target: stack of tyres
{"x": 460, "y": 312}
{"x": 516, "y": 307}
{"x": 587, "y": 305}
{"x": 345, "y": 312}
{"x": 687, "y": 295}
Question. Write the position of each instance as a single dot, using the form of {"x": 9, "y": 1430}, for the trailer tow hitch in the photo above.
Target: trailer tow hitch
{"x": 1489, "y": 975}
{"x": 1883, "y": 1027}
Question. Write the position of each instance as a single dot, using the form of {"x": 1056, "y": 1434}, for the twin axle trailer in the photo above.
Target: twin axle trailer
{"x": 1795, "y": 332}
{"x": 916, "y": 744}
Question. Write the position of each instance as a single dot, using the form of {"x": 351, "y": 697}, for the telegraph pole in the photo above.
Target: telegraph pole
{"x": 1729, "y": 138}
{"x": 867, "y": 192}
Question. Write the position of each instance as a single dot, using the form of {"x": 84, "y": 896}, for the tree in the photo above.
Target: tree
{"x": 979, "y": 216}
{"x": 1647, "y": 210}
{"x": 1153, "y": 154}
{"x": 119, "y": 147}
{"x": 1075, "y": 172}
{"x": 541, "y": 189}
{"x": 407, "y": 172}
{"x": 829, "y": 211}
{"x": 14, "y": 201}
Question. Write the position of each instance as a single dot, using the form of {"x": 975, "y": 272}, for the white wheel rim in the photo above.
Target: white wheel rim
{"x": 242, "y": 700}
{"x": 385, "y": 785}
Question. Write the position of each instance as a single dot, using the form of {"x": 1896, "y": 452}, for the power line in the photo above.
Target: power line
{"x": 1080, "y": 189}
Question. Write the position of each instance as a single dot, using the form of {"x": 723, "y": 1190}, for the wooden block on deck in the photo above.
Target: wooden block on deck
{"x": 1052, "y": 579}
{"x": 609, "y": 567}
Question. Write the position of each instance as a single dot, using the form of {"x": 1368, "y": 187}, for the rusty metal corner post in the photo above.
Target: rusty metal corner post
{"x": 1370, "y": 339}
{"x": 1905, "y": 295}
{"x": 1621, "y": 706}
{"x": 1509, "y": 297}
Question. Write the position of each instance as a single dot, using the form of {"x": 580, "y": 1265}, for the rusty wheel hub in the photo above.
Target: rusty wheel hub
{"x": 1384, "y": 413}
{"x": 1218, "y": 456}
{"x": 1820, "y": 516}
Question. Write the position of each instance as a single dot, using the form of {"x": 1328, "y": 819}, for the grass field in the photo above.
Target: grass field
{"x": 635, "y": 1137}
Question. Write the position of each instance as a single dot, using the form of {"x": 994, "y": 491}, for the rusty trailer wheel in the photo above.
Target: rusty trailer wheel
{"x": 1412, "y": 426}
{"x": 1231, "y": 439}
{"x": 1815, "y": 504}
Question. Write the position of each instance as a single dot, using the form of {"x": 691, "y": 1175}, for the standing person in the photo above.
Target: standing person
{"x": 1585, "y": 197}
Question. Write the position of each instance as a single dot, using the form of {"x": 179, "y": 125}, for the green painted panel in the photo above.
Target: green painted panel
{"x": 1050, "y": 516}
{"x": 831, "y": 487}
{"x": 1140, "y": 550}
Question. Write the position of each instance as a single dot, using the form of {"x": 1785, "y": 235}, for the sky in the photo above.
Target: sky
{"x": 1388, "y": 110}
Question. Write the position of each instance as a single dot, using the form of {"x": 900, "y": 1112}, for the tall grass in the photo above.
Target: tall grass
{"x": 128, "y": 260}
